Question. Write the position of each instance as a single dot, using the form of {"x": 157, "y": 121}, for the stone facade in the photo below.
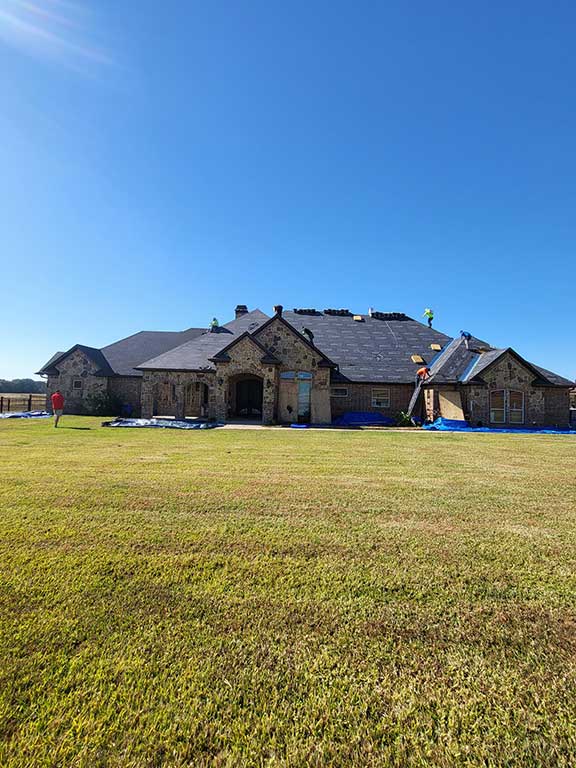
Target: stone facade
{"x": 245, "y": 361}
{"x": 296, "y": 355}
{"x": 212, "y": 394}
{"x": 77, "y": 383}
{"x": 127, "y": 390}
{"x": 544, "y": 406}
{"x": 178, "y": 394}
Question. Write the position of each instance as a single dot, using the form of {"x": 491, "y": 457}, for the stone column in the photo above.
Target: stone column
{"x": 268, "y": 399}
{"x": 180, "y": 406}
{"x": 147, "y": 396}
{"x": 220, "y": 398}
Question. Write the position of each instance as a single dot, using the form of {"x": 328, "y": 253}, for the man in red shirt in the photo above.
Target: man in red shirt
{"x": 57, "y": 406}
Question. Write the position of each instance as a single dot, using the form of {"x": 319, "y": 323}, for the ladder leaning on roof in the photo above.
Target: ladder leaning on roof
{"x": 414, "y": 398}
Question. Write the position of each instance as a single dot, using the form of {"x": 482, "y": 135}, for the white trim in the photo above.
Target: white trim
{"x": 506, "y": 410}
{"x": 375, "y": 397}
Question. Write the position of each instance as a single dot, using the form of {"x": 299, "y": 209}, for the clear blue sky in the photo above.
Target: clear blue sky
{"x": 162, "y": 162}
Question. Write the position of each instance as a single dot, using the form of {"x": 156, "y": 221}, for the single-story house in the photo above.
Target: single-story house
{"x": 311, "y": 366}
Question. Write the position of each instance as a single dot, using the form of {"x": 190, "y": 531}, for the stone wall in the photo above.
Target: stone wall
{"x": 543, "y": 406}
{"x": 175, "y": 393}
{"x": 557, "y": 407}
{"x": 127, "y": 390}
{"x": 77, "y": 367}
{"x": 245, "y": 359}
{"x": 287, "y": 346}
{"x": 296, "y": 355}
{"x": 360, "y": 399}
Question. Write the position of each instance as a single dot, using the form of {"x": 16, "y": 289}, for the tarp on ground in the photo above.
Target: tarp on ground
{"x": 26, "y": 415}
{"x": 454, "y": 425}
{"x": 160, "y": 424}
{"x": 363, "y": 419}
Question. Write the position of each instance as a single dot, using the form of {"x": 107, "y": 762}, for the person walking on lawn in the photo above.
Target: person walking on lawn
{"x": 57, "y": 406}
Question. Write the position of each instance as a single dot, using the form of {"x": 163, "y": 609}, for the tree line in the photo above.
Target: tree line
{"x": 29, "y": 386}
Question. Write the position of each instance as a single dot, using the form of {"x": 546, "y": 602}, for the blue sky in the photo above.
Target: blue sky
{"x": 162, "y": 162}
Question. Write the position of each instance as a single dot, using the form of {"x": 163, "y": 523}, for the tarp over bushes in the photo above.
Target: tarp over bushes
{"x": 363, "y": 419}
{"x": 453, "y": 425}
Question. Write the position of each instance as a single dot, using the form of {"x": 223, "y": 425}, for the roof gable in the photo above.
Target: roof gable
{"x": 223, "y": 356}
{"x": 491, "y": 360}
{"x": 324, "y": 360}
{"x": 94, "y": 355}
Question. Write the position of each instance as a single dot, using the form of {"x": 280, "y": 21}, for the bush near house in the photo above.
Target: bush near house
{"x": 285, "y": 598}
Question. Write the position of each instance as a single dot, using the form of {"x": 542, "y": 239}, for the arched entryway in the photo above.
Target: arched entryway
{"x": 245, "y": 396}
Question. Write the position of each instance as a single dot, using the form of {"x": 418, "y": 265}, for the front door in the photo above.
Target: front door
{"x": 304, "y": 389}
{"x": 249, "y": 397}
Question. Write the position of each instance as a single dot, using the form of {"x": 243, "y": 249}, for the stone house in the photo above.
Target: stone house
{"x": 311, "y": 366}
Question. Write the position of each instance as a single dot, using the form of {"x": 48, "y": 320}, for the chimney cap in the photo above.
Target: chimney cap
{"x": 241, "y": 309}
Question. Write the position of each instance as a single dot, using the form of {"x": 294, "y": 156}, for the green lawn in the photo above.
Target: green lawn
{"x": 285, "y": 598}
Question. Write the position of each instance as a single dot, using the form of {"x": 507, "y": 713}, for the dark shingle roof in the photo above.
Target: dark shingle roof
{"x": 195, "y": 355}
{"x": 372, "y": 349}
{"x": 121, "y": 357}
{"x": 102, "y": 365}
{"x": 126, "y": 354}
{"x": 48, "y": 368}
{"x": 458, "y": 364}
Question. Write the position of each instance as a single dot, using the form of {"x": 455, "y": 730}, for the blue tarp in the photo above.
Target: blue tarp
{"x": 26, "y": 415}
{"x": 160, "y": 423}
{"x": 453, "y": 425}
{"x": 363, "y": 419}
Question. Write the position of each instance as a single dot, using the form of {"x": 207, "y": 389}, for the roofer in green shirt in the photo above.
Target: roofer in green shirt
{"x": 429, "y": 313}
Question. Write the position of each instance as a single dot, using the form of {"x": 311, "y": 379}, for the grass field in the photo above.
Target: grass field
{"x": 285, "y": 598}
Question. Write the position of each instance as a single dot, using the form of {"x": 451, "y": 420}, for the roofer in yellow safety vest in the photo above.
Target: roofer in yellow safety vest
{"x": 429, "y": 313}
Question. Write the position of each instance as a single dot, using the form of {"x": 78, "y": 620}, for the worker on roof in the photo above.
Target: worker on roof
{"x": 429, "y": 313}
{"x": 467, "y": 337}
{"x": 422, "y": 374}
{"x": 214, "y": 323}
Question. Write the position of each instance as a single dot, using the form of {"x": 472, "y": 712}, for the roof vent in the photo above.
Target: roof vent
{"x": 338, "y": 312}
{"x": 306, "y": 311}
{"x": 436, "y": 347}
{"x": 358, "y": 318}
{"x": 417, "y": 359}
{"x": 389, "y": 315}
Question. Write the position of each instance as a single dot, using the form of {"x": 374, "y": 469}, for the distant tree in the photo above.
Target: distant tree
{"x": 30, "y": 386}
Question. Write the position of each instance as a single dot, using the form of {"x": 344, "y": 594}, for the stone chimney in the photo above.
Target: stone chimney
{"x": 278, "y": 309}
{"x": 241, "y": 309}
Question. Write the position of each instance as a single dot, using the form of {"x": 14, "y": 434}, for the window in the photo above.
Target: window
{"x": 506, "y": 406}
{"x": 498, "y": 406}
{"x": 381, "y": 398}
{"x": 295, "y": 375}
{"x": 515, "y": 407}
{"x": 77, "y": 384}
{"x": 339, "y": 392}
